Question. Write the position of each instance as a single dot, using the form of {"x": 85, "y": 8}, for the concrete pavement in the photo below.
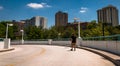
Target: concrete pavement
{"x": 45, "y": 55}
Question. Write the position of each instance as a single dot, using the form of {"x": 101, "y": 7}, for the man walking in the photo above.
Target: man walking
{"x": 73, "y": 42}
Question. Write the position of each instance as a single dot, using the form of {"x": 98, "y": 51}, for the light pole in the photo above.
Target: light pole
{"x": 75, "y": 19}
{"x": 7, "y": 41}
{"x": 79, "y": 38}
{"x": 22, "y": 36}
{"x": 7, "y": 29}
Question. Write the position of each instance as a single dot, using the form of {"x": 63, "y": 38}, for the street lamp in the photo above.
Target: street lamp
{"x": 7, "y": 29}
{"x": 7, "y": 41}
{"x": 79, "y": 38}
{"x": 22, "y": 36}
{"x": 75, "y": 19}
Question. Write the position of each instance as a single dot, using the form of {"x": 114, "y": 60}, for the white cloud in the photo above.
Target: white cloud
{"x": 38, "y": 5}
{"x": 45, "y": 5}
{"x": 1, "y": 7}
{"x": 83, "y": 9}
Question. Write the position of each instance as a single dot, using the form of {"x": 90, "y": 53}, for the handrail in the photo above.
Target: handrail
{"x": 99, "y": 38}
{"x": 1, "y": 39}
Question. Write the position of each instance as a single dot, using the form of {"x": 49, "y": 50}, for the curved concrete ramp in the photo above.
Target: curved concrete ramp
{"x": 46, "y": 55}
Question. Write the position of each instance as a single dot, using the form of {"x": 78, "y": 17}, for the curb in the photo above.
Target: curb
{"x": 117, "y": 63}
{"x": 4, "y": 50}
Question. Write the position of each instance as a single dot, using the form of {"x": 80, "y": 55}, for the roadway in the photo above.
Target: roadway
{"x": 46, "y": 55}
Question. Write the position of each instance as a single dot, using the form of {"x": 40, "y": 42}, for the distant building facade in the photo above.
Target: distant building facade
{"x": 83, "y": 25}
{"x": 43, "y": 22}
{"x": 108, "y": 15}
{"x": 61, "y": 18}
{"x": 36, "y": 21}
{"x": 19, "y": 25}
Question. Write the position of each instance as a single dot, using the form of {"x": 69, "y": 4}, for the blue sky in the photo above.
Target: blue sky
{"x": 85, "y": 10}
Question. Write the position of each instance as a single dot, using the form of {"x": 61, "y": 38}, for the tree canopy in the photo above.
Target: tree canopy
{"x": 32, "y": 32}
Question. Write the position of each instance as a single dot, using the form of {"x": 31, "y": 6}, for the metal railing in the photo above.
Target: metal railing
{"x": 37, "y": 40}
{"x": 60, "y": 41}
{"x": 1, "y": 39}
{"x": 104, "y": 38}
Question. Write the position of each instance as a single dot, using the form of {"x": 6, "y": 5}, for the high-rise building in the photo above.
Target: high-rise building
{"x": 61, "y": 18}
{"x": 108, "y": 15}
{"x": 37, "y": 21}
{"x": 43, "y": 22}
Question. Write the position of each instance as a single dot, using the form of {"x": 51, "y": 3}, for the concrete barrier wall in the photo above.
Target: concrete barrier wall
{"x": 112, "y": 46}
{"x": 29, "y": 42}
{"x": 118, "y": 47}
{"x": 1, "y": 44}
{"x": 38, "y": 42}
{"x": 42, "y": 42}
{"x": 61, "y": 42}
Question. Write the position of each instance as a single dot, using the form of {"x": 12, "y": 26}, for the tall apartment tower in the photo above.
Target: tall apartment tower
{"x": 37, "y": 21}
{"x": 43, "y": 22}
{"x": 61, "y": 18}
{"x": 108, "y": 15}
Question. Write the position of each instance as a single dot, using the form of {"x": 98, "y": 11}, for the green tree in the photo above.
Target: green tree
{"x": 67, "y": 32}
{"x": 53, "y": 33}
{"x": 2, "y": 30}
{"x": 33, "y": 32}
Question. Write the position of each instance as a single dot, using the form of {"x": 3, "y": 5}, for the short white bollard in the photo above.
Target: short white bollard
{"x": 6, "y": 43}
{"x": 50, "y": 41}
{"x": 79, "y": 41}
{"x": 22, "y": 41}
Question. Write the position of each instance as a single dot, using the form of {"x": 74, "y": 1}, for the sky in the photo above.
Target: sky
{"x": 85, "y": 10}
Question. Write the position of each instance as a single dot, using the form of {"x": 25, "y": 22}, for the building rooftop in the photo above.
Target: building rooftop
{"x": 109, "y": 6}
